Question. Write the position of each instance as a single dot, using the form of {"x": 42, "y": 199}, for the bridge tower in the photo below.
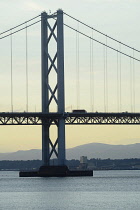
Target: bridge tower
{"x": 53, "y": 94}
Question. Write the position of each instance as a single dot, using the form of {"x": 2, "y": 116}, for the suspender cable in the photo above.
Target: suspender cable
{"x": 133, "y": 82}
{"x": 120, "y": 81}
{"x": 77, "y": 69}
{"x": 26, "y": 69}
{"x": 91, "y": 76}
{"x": 91, "y": 101}
{"x": 131, "y": 87}
{"x": 76, "y": 74}
{"x": 106, "y": 78}
{"x": 11, "y": 46}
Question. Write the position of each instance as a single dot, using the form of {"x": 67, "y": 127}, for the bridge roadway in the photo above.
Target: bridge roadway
{"x": 87, "y": 118}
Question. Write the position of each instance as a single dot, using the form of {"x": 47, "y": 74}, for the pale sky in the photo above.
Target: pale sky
{"x": 119, "y": 19}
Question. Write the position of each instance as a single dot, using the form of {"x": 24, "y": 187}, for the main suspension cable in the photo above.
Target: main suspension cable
{"x": 101, "y": 42}
{"x": 19, "y": 25}
{"x": 19, "y": 30}
{"x": 101, "y": 32}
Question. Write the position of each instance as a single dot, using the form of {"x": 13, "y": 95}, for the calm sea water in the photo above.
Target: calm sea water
{"x": 106, "y": 190}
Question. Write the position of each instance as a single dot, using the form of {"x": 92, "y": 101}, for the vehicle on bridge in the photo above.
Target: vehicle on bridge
{"x": 79, "y": 111}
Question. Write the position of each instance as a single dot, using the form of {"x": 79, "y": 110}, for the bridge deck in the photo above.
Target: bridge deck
{"x": 88, "y": 118}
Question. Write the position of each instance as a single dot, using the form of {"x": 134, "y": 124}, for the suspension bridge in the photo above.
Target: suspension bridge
{"x": 112, "y": 99}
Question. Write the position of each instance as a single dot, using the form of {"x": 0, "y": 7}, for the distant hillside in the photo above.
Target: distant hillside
{"x": 93, "y": 150}
{"x": 103, "y": 151}
{"x": 33, "y": 154}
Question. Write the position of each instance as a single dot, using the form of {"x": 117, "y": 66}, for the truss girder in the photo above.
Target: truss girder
{"x": 70, "y": 119}
{"x": 101, "y": 119}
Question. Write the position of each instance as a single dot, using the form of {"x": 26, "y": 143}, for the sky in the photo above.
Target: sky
{"x": 116, "y": 18}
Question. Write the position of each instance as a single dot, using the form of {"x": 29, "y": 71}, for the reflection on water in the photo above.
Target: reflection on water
{"x": 105, "y": 190}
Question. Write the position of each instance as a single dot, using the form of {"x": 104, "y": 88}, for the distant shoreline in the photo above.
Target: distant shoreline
{"x": 91, "y": 164}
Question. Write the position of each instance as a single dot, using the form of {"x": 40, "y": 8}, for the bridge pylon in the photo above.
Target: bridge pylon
{"x": 53, "y": 94}
{"x": 52, "y": 36}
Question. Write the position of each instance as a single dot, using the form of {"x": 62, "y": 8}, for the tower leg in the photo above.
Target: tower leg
{"x": 61, "y": 92}
{"x": 61, "y": 142}
{"x": 45, "y": 145}
{"x": 48, "y": 93}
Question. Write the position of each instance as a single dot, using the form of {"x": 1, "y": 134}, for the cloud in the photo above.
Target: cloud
{"x": 32, "y": 6}
{"x": 112, "y": 1}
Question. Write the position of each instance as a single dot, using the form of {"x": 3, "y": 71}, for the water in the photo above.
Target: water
{"x": 106, "y": 190}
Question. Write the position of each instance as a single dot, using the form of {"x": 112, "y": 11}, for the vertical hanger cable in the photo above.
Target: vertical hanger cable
{"x": 131, "y": 87}
{"x": 118, "y": 107}
{"x": 77, "y": 68}
{"x": 120, "y": 81}
{"x": 133, "y": 82}
{"x": 26, "y": 69}
{"x": 106, "y": 77}
{"x": 92, "y": 73}
{"x": 11, "y": 46}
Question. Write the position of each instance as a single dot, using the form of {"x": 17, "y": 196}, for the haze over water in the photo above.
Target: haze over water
{"x": 106, "y": 190}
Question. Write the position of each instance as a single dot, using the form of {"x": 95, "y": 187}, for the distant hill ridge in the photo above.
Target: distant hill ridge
{"x": 92, "y": 150}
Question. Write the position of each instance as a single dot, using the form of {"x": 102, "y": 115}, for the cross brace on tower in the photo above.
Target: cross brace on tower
{"x": 53, "y": 94}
